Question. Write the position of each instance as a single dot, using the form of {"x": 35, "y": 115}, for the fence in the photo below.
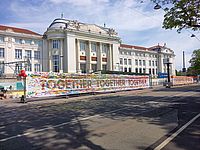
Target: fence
{"x": 54, "y": 84}
{"x": 181, "y": 80}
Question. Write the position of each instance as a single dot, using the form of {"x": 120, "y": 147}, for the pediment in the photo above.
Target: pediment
{"x": 93, "y": 28}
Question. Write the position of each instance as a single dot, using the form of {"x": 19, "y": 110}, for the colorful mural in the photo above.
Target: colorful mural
{"x": 54, "y": 84}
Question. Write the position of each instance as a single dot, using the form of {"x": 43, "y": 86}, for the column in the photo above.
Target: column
{"x": 88, "y": 58}
{"x": 99, "y": 58}
{"x": 109, "y": 58}
{"x": 61, "y": 56}
{"x": 78, "y": 69}
{"x": 50, "y": 55}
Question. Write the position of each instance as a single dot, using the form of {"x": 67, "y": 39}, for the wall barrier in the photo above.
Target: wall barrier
{"x": 55, "y": 84}
{"x": 181, "y": 80}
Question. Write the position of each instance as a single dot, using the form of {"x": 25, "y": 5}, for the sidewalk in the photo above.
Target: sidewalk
{"x": 63, "y": 99}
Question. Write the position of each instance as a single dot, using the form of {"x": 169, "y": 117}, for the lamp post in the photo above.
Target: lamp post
{"x": 23, "y": 75}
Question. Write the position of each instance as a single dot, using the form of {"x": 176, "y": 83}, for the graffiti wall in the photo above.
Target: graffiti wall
{"x": 180, "y": 80}
{"x": 54, "y": 84}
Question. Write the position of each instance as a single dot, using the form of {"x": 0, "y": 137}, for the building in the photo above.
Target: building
{"x": 145, "y": 60}
{"x": 18, "y": 45}
{"x": 75, "y": 47}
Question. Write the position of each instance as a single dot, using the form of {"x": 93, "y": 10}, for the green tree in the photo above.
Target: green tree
{"x": 180, "y": 14}
{"x": 194, "y": 69}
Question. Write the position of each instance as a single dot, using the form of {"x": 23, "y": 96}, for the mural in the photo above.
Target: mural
{"x": 54, "y": 84}
{"x": 179, "y": 80}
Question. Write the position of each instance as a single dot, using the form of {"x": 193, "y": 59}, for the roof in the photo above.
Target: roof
{"x": 17, "y": 30}
{"x": 133, "y": 47}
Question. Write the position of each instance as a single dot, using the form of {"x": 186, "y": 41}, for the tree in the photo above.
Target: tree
{"x": 180, "y": 14}
{"x": 195, "y": 63}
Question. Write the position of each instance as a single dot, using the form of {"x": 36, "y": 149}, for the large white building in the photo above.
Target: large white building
{"x": 75, "y": 47}
{"x": 145, "y": 60}
{"x": 18, "y": 45}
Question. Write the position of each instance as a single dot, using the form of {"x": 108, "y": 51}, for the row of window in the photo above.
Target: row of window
{"x": 18, "y": 54}
{"x": 140, "y": 70}
{"x": 24, "y": 41}
{"x": 28, "y": 54}
{"x": 37, "y": 68}
{"x": 93, "y": 66}
{"x": 84, "y": 46}
{"x": 137, "y": 62}
{"x": 137, "y": 54}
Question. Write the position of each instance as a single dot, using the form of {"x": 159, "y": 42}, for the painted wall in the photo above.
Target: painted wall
{"x": 55, "y": 84}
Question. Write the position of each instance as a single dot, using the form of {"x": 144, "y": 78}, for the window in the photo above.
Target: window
{"x": 36, "y": 54}
{"x": 38, "y": 42}
{"x": 149, "y": 62}
{"x": 1, "y": 39}
{"x": 129, "y": 61}
{"x": 18, "y": 41}
{"x": 94, "y": 67}
{"x": 140, "y": 70}
{"x": 144, "y": 63}
{"x": 29, "y": 68}
{"x": 140, "y": 62}
{"x": 55, "y": 63}
{"x": 149, "y": 70}
{"x": 125, "y": 61}
{"x": 121, "y": 61}
{"x": 153, "y": 70}
{"x": 1, "y": 52}
{"x": 83, "y": 45}
{"x": 129, "y": 69}
{"x": 156, "y": 63}
{"x": 83, "y": 68}
{"x": 93, "y": 47}
{"x": 136, "y": 70}
{"x": 144, "y": 71}
{"x": 152, "y": 63}
{"x": 104, "y": 48}
{"x": 2, "y": 69}
{"x": 18, "y": 54}
{"x": 28, "y": 41}
{"x": 56, "y": 44}
{"x": 18, "y": 68}
{"x": 121, "y": 68}
{"x": 104, "y": 67}
{"x": 37, "y": 67}
{"x": 28, "y": 54}
{"x": 136, "y": 62}
{"x": 125, "y": 69}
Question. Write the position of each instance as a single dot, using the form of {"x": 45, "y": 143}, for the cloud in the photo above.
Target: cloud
{"x": 137, "y": 23}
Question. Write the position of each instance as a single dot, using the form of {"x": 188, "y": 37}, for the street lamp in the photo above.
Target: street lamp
{"x": 23, "y": 75}
{"x": 157, "y": 6}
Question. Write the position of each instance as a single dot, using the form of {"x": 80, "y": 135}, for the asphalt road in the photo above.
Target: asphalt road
{"x": 156, "y": 118}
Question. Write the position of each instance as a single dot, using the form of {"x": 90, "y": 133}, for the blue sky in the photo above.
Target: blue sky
{"x": 136, "y": 23}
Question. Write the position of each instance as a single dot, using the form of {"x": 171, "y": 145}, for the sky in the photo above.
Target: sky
{"x": 136, "y": 22}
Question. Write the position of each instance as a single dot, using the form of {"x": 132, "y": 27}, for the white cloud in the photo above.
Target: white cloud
{"x": 137, "y": 22}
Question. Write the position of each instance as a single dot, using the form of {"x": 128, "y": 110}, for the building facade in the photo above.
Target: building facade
{"x": 17, "y": 47}
{"x": 145, "y": 60}
{"x": 75, "y": 47}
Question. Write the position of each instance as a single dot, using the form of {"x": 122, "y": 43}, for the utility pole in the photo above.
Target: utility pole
{"x": 184, "y": 69}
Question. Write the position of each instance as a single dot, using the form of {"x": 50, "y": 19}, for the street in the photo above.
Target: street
{"x": 158, "y": 118}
